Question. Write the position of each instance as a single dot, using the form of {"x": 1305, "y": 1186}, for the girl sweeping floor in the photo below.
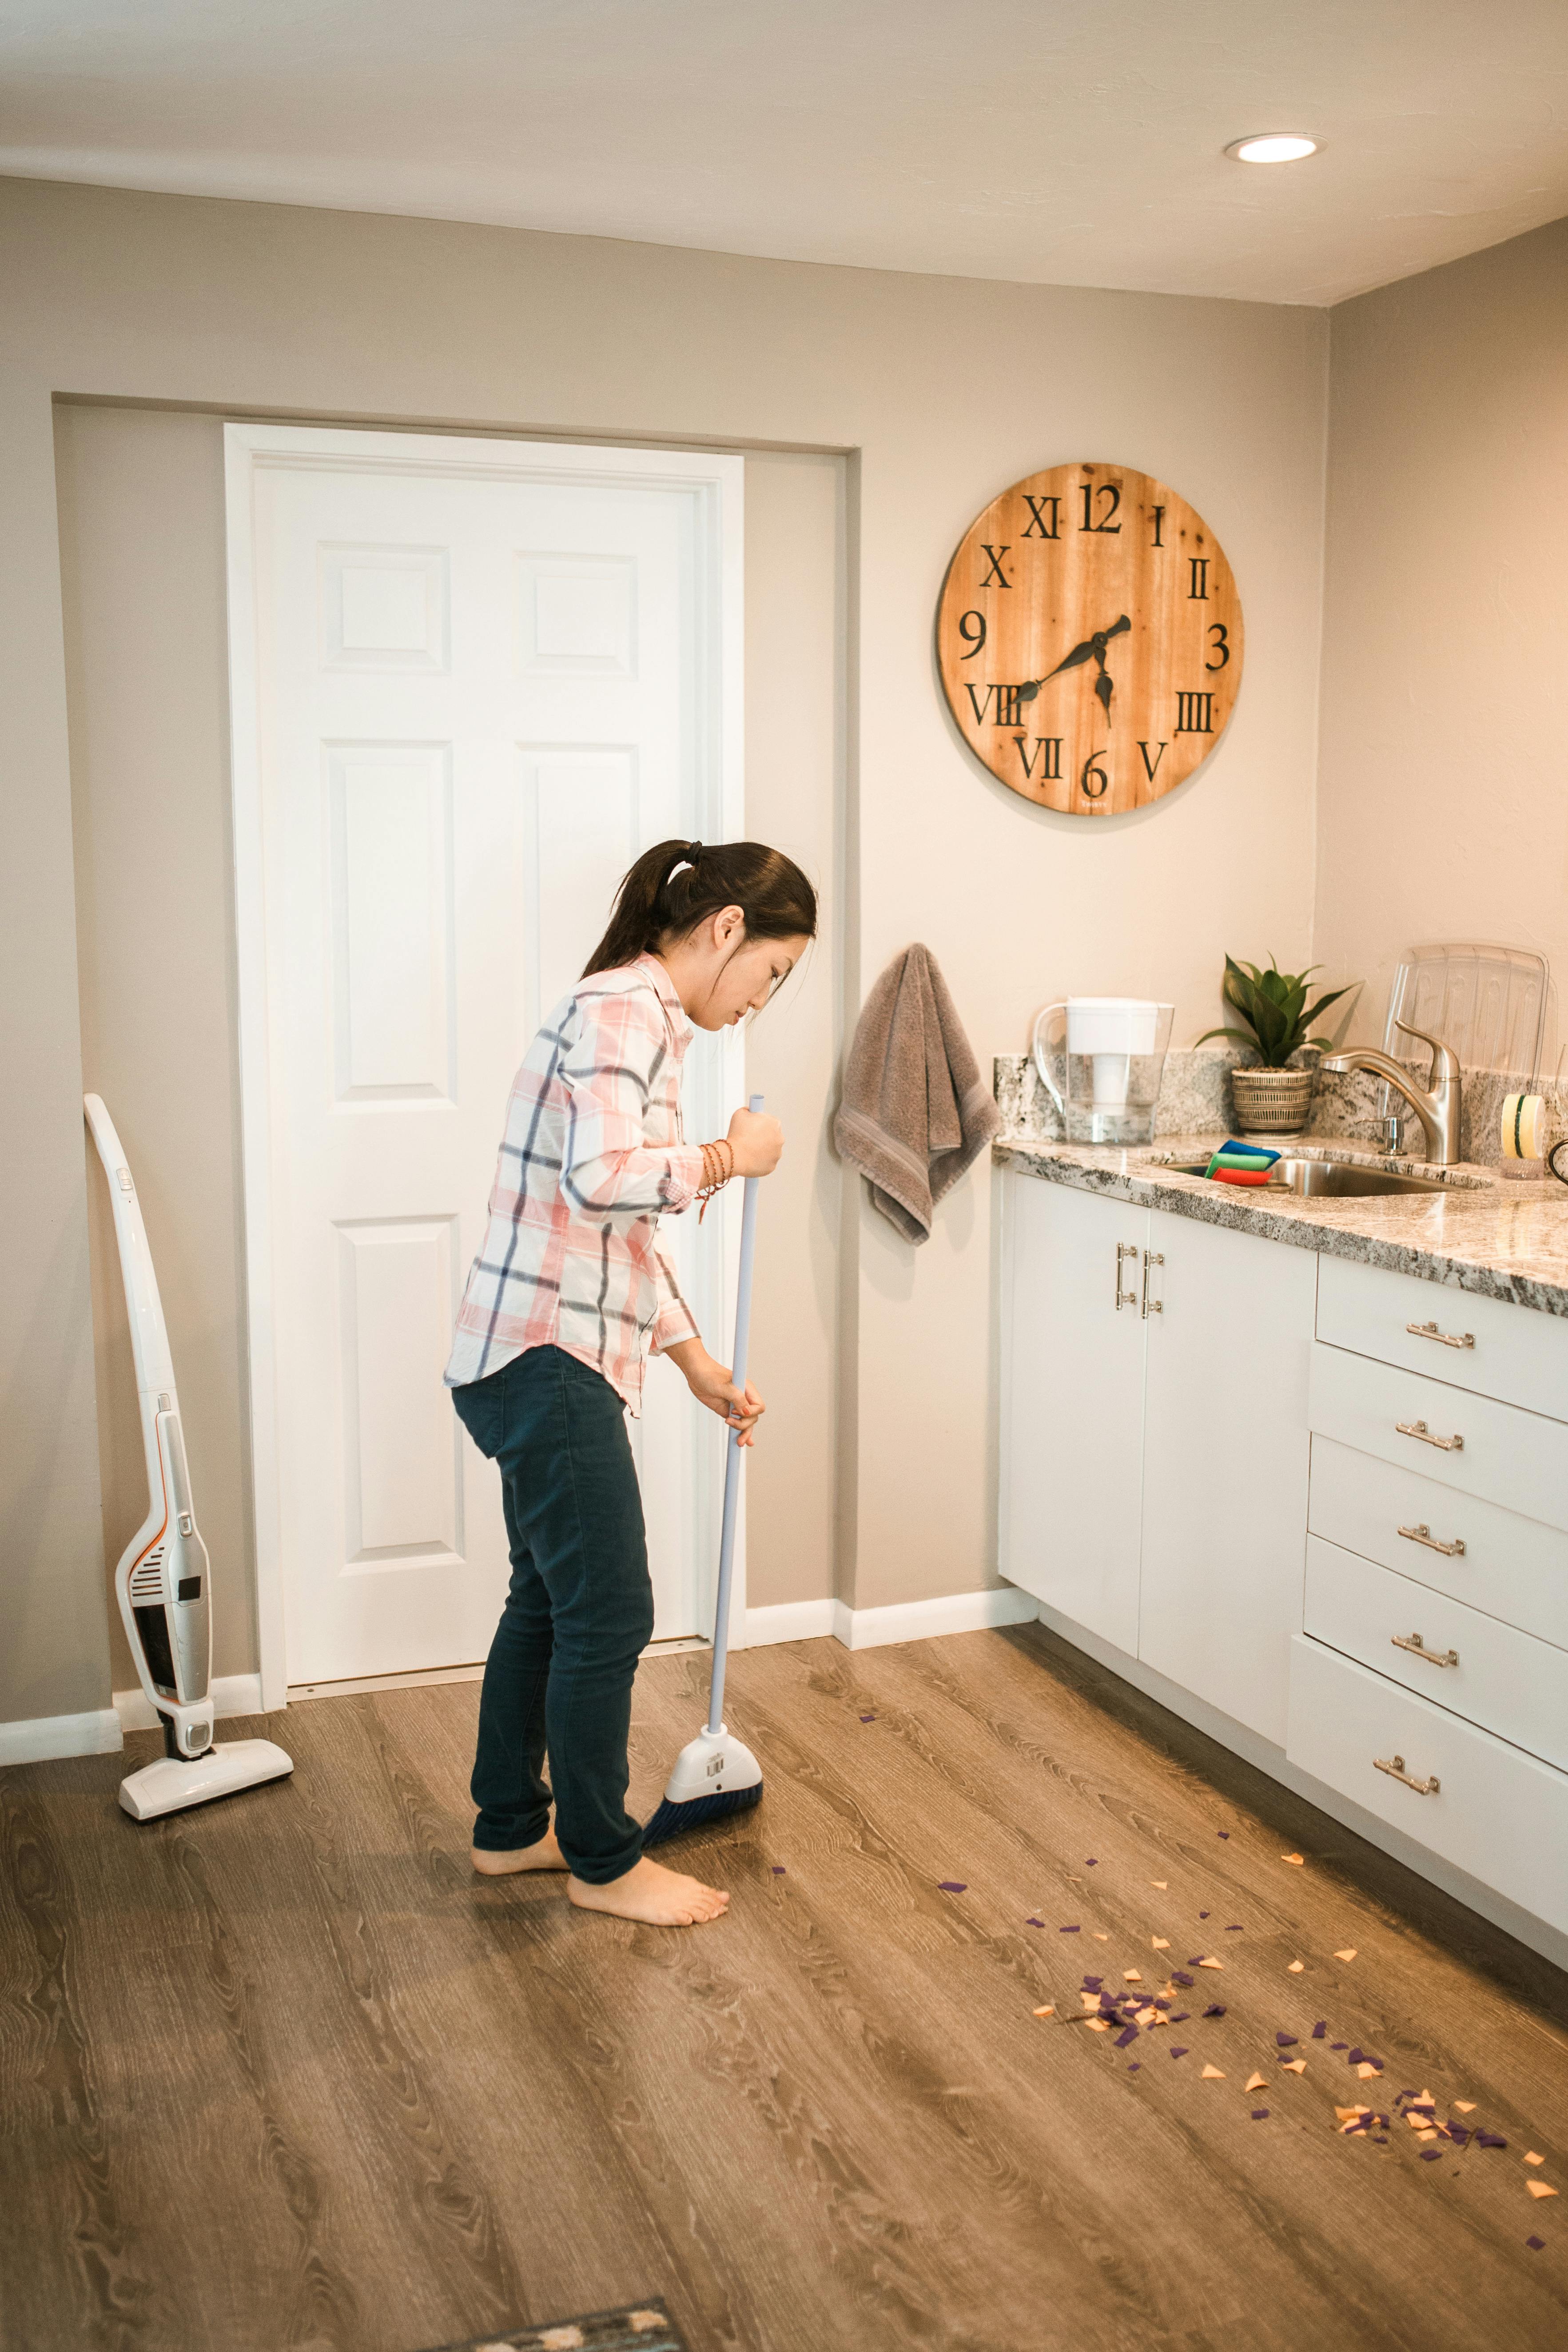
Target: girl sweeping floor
{"x": 567, "y": 1294}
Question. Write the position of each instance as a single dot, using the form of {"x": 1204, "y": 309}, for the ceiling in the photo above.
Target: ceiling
{"x": 1029, "y": 140}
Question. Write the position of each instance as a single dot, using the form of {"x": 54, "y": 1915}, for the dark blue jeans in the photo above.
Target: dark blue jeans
{"x": 577, "y": 1616}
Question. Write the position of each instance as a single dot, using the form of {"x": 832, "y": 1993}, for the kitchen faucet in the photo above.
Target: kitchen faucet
{"x": 1438, "y": 1109}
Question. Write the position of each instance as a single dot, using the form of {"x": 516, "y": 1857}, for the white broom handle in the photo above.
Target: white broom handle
{"x": 733, "y": 1451}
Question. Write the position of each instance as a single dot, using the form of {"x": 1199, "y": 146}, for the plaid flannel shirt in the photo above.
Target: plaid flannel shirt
{"x": 593, "y": 1153}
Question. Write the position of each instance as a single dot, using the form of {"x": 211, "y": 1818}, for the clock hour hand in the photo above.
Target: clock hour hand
{"x": 1091, "y": 648}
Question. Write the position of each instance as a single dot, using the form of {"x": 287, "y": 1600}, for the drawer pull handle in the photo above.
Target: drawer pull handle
{"x": 1417, "y": 1648}
{"x": 1151, "y": 1306}
{"x": 1419, "y": 1428}
{"x": 1422, "y": 1534}
{"x": 1125, "y": 1297}
{"x": 1394, "y": 1767}
{"x": 1444, "y": 1339}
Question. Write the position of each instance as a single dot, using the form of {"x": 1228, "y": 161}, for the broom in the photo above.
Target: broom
{"x": 714, "y": 1774}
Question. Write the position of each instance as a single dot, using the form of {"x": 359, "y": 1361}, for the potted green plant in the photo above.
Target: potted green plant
{"x": 1273, "y": 1099}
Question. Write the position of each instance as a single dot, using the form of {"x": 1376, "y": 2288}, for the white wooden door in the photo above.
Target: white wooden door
{"x": 1072, "y": 1432}
{"x": 472, "y": 680}
{"x": 1224, "y": 1467}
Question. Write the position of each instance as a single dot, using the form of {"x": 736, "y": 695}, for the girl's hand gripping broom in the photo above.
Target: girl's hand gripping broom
{"x": 714, "y": 1774}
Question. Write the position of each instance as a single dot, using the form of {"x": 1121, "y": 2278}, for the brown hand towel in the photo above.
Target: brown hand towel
{"x": 914, "y": 1112}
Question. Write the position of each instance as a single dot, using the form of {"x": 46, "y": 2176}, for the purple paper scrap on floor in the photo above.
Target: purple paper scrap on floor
{"x": 1129, "y": 2033}
{"x": 1214, "y": 2009}
{"x": 1067, "y": 1931}
{"x": 1336, "y": 2045}
{"x": 1489, "y": 2139}
{"x": 1222, "y": 1833}
{"x": 1177, "y": 1977}
{"x": 1259, "y": 2115}
{"x": 1134, "y": 2064}
{"x": 867, "y": 1718}
{"x": 779, "y": 1870}
{"x": 1203, "y": 1914}
{"x": 1180, "y": 2018}
{"x": 1286, "y": 2041}
{"x": 1091, "y": 1863}
{"x": 1320, "y": 2029}
{"x": 1178, "y": 2053}
{"x": 1431, "y": 2155}
{"x": 952, "y": 1885}
{"x": 1535, "y": 2244}
{"x": 1093, "y": 1984}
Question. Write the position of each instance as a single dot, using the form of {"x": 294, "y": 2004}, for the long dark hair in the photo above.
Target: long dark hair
{"x": 680, "y": 884}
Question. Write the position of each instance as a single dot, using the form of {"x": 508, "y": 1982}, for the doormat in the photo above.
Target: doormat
{"x": 640, "y": 2328}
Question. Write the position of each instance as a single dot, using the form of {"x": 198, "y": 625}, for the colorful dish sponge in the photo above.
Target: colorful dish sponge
{"x": 1241, "y": 1163}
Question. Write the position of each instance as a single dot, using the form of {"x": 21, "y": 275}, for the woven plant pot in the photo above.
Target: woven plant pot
{"x": 1272, "y": 1102}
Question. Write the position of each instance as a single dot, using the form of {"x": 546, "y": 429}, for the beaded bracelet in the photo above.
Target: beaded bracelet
{"x": 715, "y": 1173}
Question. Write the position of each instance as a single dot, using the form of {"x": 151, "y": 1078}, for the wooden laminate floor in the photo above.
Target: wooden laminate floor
{"x": 280, "y": 2072}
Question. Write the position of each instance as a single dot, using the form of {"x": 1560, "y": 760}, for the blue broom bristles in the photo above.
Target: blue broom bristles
{"x": 668, "y": 1819}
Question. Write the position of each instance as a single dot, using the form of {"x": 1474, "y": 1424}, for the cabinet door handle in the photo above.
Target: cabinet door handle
{"x": 1419, "y": 1428}
{"x": 1422, "y": 1534}
{"x": 1151, "y": 1306}
{"x": 1394, "y": 1767}
{"x": 1125, "y": 1297}
{"x": 1417, "y": 1648}
{"x": 1444, "y": 1339}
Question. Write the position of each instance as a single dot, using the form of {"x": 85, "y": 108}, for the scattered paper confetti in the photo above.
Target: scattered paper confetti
{"x": 1222, "y": 1833}
{"x": 1338, "y": 2045}
{"x": 1211, "y": 1964}
{"x": 1347, "y": 2115}
{"x": 1098, "y": 2025}
{"x": 1294, "y": 2065}
{"x": 1163, "y": 1884}
{"x": 1161, "y": 1943}
{"x": 1234, "y": 1929}
{"x": 1466, "y": 2106}
{"x": 1214, "y": 2010}
{"x": 1347, "y": 1955}
{"x": 1091, "y": 1863}
{"x": 1182, "y": 2054}
{"x": 1296, "y": 1967}
{"x": 1284, "y": 2039}
{"x": 1129, "y": 2033}
{"x": 1098, "y": 1937}
{"x": 1296, "y": 1858}
{"x": 1067, "y": 1931}
{"x": 1134, "y": 2064}
{"x": 952, "y": 1885}
{"x": 1256, "y": 2082}
{"x": 1367, "y": 2069}
{"x": 1180, "y": 2018}
{"x": 1131, "y": 1976}
{"x": 1320, "y": 2029}
{"x": 1212, "y": 2075}
{"x": 1179, "y": 1976}
{"x": 1431, "y": 2156}
{"x": 1535, "y": 2244}
{"x": 779, "y": 1870}
{"x": 1049, "y": 2010}
{"x": 1089, "y": 1999}
{"x": 1540, "y": 2188}
{"x": 1203, "y": 1914}
{"x": 1093, "y": 1984}
{"x": 1530, "y": 2157}
{"x": 1491, "y": 2139}
{"x": 1259, "y": 2115}
{"x": 1034, "y": 1923}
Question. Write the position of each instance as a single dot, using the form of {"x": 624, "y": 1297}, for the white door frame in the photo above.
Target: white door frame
{"x": 719, "y": 743}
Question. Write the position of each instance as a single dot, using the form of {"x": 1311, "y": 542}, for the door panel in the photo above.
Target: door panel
{"x": 1073, "y": 1427}
{"x": 1224, "y": 1467}
{"x": 486, "y": 677}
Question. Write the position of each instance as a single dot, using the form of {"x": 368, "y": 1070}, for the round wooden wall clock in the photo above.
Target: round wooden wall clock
{"x": 1089, "y": 639}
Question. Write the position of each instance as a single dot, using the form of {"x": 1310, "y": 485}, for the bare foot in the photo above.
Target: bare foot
{"x": 650, "y": 1892}
{"x": 543, "y": 1854}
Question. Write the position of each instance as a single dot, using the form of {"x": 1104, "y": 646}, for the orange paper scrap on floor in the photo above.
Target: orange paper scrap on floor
{"x": 1294, "y": 2065}
{"x": 1297, "y": 1858}
{"x": 1296, "y": 1967}
{"x": 1211, "y": 2075}
{"x": 1211, "y": 1964}
{"x": 1540, "y": 2188}
{"x": 1531, "y": 2157}
{"x": 1256, "y": 2082}
{"x": 1049, "y": 2010}
{"x": 1346, "y": 1956}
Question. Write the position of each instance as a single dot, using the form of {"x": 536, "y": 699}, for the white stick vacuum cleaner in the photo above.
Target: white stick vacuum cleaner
{"x": 162, "y": 1582}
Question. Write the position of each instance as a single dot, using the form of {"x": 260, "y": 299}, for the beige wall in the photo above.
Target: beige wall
{"x": 141, "y": 543}
{"x": 945, "y": 390}
{"x": 1444, "y": 789}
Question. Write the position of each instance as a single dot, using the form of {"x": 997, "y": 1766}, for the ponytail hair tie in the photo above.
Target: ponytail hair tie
{"x": 687, "y": 857}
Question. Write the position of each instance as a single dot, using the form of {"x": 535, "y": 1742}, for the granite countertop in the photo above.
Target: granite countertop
{"x": 1482, "y": 1232}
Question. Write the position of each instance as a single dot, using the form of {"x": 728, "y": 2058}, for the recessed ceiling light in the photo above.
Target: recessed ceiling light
{"x": 1272, "y": 147}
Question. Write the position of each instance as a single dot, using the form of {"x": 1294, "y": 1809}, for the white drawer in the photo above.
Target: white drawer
{"x": 1513, "y": 1568}
{"x": 1497, "y": 1813}
{"x": 1519, "y": 1356}
{"x": 1504, "y": 1455}
{"x": 1506, "y": 1681}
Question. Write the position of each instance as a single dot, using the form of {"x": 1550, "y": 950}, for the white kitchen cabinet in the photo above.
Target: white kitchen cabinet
{"x": 1072, "y": 1403}
{"x": 1154, "y": 1437}
{"x": 1225, "y": 1465}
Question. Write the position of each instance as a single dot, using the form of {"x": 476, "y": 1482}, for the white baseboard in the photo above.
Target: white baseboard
{"x": 921, "y": 1621}
{"x": 903, "y": 1620}
{"x": 791, "y": 1621}
{"x": 35, "y": 1742}
{"x": 232, "y": 1694}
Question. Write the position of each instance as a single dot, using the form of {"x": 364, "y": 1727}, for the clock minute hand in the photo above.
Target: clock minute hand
{"x": 1091, "y": 648}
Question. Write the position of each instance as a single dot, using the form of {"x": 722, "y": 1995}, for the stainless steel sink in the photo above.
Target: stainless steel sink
{"x": 1322, "y": 1179}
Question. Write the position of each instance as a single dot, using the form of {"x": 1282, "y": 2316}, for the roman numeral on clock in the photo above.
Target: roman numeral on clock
{"x": 1044, "y": 764}
{"x": 1002, "y": 705}
{"x": 1194, "y": 714}
{"x": 1198, "y": 566}
{"x": 1036, "y": 524}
